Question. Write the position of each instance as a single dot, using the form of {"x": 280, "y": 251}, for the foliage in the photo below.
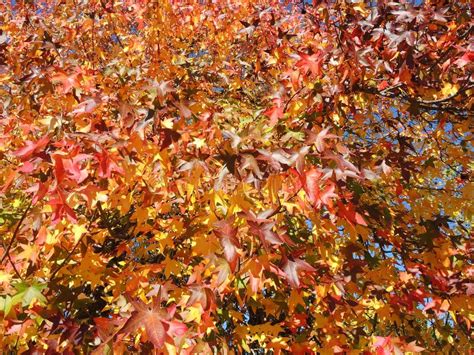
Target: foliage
{"x": 240, "y": 176}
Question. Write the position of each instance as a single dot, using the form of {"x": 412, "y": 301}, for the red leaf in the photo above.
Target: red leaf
{"x": 156, "y": 321}
{"x": 41, "y": 236}
{"x": 467, "y": 58}
{"x": 413, "y": 348}
{"x": 383, "y": 346}
{"x": 318, "y": 139}
{"x": 383, "y": 85}
{"x": 291, "y": 268}
{"x": 61, "y": 209}
{"x": 327, "y": 194}
{"x": 73, "y": 168}
{"x": 275, "y": 112}
{"x": 310, "y": 180}
{"x": 262, "y": 228}
{"x": 312, "y": 63}
{"x": 176, "y": 328}
{"x": 27, "y": 167}
{"x": 59, "y": 171}
{"x": 202, "y": 295}
{"x": 154, "y": 330}
{"x": 40, "y": 190}
{"x": 184, "y": 110}
{"x": 229, "y": 241}
{"x": 70, "y": 167}
{"x": 67, "y": 81}
{"x": 348, "y": 212}
{"x": 31, "y": 148}
{"x": 107, "y": 165}
{"x": 151, "y": 321}
{"x": 106, "y": 327}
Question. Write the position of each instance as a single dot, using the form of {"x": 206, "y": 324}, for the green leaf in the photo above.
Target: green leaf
{"x": 5, "y": 305}
{"x": 28, "y": 293}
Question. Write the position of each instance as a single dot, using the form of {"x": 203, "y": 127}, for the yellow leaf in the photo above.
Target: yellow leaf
{"x": 172, "y": 267}
{"x": 449, "y": 89}
{"x": 192, "y": 314}
{"x": 78, "y": 230}
{"x": 5, "y": 277}
{"x": 245, "y": 346}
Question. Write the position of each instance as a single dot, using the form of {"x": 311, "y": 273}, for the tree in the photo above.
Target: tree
{"x": 248, "y": 177}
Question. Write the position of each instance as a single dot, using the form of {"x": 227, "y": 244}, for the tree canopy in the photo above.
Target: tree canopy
{"x": 263, "y": 176}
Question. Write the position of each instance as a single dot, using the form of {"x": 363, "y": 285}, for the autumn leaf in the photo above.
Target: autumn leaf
{"x": 319, "y": 139}
{"x": 292, "y": 267}
{"x": 311, "y": 180}
{"x": 158, "y": 322}
{"x": 347, "y": 211}
{"x": 167, "y": 137}
{"x": 87, "y": 106}
{"x": 32, "y": 147}
{"x": 310, "y": 63}
{"x": 262, "y": 177}
{"x": 107, "y": 164}
{"x": 229, "y": 241}
{"x": 262, "y": 227}
{"x": 275, "y": 112}
{"x": 68, "y": 82}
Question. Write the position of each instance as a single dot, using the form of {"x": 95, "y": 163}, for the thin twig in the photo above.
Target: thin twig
{"x": 291, "y": 98}
{"x": 12, "y": 240}
{"x": 15, "y": 233}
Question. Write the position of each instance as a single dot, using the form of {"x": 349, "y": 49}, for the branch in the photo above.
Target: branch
{"x": 437, "y": 105}
{"x": 446, "y": 99}
{"x": 15, "y": 233}
{"x": 12, "y": 240}
{"x": 291, "y": 98}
